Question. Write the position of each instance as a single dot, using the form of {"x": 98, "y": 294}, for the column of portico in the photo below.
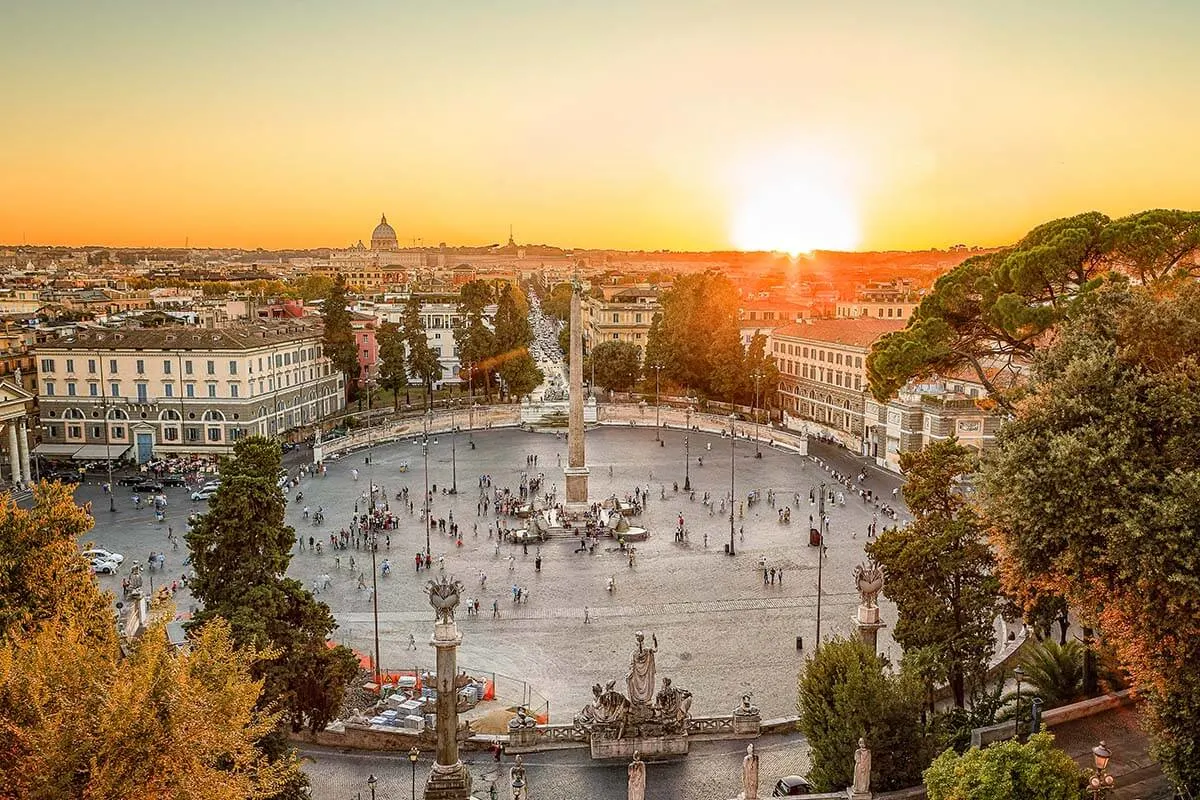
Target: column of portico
{"x": 14, "y": 457}
{"x": 23, "y": 447}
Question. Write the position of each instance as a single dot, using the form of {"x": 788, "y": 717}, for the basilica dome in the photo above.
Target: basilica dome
{"x": 384, "y": 236}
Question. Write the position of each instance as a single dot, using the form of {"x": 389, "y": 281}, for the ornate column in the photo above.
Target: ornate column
{"x": 14, "y": 457}
{"x": 869, "y": 580}
{"x": 23, "y": 446}
{"x": 449, "y": 778}
{"x": 576, "y": 472}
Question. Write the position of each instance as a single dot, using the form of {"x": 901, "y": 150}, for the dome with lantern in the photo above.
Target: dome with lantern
{"x": 384, "y": 236}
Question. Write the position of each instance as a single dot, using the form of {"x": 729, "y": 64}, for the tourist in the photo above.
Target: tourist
{"x": 586, "y": 616}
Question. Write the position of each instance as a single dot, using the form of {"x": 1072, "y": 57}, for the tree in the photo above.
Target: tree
{"x": 988, "y": 314}
{"x": 476, "y": 342}
{"x": 847, "y": 693}
{"x": 939, "y": 569}
{"x": 697, "y": 339}
{"x": 1036, "y": 770}
{"x": 521, "y": 374}
{"x": 83, "y": 720}
{"x": 616, "y": 365}
{"x": 240, "y": 551}
{"x": 758, "y": 362}
{"x": 558, "y": 303}
{"x": 338, "y": 336}
{"x": 393, "y": 372}
{"x": 423, "y": 360}
{"x": 313, "y": 287}
{"x": 513, "y": 330}
{"x": 1092, "y": 493}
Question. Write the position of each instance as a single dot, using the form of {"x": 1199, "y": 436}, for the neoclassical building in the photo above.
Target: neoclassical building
{"x": 145, "y": 393}
{"x": 14, "y": 417}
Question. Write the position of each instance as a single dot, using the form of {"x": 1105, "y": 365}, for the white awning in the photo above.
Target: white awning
{"x": 55, "y": 449}
{"x": 92, "y": 452}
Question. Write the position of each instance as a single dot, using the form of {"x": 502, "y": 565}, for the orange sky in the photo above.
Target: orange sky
{"x": 682, "y": 125}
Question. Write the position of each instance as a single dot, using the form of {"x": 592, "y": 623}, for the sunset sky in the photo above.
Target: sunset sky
{"x": 682, "y": 125}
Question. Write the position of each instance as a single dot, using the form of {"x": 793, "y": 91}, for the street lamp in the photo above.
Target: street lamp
{"x": 758, "y": 376}
{"x": 732, "y": 493}
{"x": 1100, "y": 783}
{"x": 657, "y": 405}
{"x": 687, "y": 453}
{"x": 425, "y": 454}
{"x": 412, "y": 759}
{"x": 471, "y": 422}
{"x": 371, "y": 781}
{"x": 1019, "y": 674}
{"x": 453, "y": 455}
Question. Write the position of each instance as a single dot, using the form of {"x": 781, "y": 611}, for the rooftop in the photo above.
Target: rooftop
{"x": 239, "y": 337}
{"x": 860, "y": 332}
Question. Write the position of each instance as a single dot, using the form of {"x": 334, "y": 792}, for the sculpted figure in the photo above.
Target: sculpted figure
{"x": 862, "y": 768}
{"x": 640, "y": 680}
{"x": 750, "y": 774}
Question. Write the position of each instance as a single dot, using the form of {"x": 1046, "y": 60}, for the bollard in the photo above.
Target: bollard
{"x": 799, "y": 642}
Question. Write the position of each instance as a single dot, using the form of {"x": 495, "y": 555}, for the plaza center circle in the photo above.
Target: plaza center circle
{"x": 721, "y": 631}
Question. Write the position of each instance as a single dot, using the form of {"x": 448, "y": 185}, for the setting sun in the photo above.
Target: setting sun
{"x": 795, "y": 205}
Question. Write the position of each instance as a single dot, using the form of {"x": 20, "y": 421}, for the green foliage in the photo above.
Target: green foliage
{"x": 1053, "y": 672}
{"x": 993, "y": 309}
{"x": 759, "y": 362}
{"x": 616, "y": 365}
{"x": 338, "y": 336}
{"x": 476, "y": 342}
{"x": 393, "y": 371}
{"x": 940, "y": 570}
{"x": 520, "y": 373}
{"x": 557, "y": 303}
{"x": 1092, "y": 493}
{"x": 312, "y": 287}
{"x": 240, "y": 551}
{"x": 1036, "y": 770}
{"x": 698, "y": 339}
{"x": 846, "y": 692}
{"x": 423, "y": 363}
{"x": 474, "y": 296}
{"x": 512, "y": 327}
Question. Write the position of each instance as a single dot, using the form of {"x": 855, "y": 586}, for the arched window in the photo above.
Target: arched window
{"x": 212, "y": 415}
{"x": 170, "y": 414}
{"x": 117, "y": 413}
{"x": 73, "y": 413}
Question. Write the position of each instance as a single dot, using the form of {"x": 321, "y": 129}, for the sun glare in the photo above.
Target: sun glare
{"x": 794, "y": 205}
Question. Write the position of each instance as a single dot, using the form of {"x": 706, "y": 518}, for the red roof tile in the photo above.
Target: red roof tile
{"x": 857, "y": 332}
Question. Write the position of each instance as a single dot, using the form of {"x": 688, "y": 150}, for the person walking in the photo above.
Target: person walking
{"x": 587, "y": 618}
{"x": 412, "y": 642}
{"x": 495, "y": 609}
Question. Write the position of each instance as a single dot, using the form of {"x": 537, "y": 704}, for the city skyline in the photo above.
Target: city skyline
{"x": 681, "y": 126}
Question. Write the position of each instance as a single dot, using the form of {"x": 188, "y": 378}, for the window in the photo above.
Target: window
{"x": 166, "y": 366}
{"x": 189, "y": 390}
{"x": 616, "y": 337}
{"x": 287, "y": 359}
{"x": 210, "y": 367}
{"x": 193, "y": 434}
{"x": 170, "y": 434}
{"x": 233, "y": 390}
{"x": 366, "y": 355}
{"x": 114, "y": 389}
{"x": 47, "y": 365}
{"x": 879, "y": 313}
{"x": 233, "y": 368}
{"x": 806, "y": 352}
{"x": 214, "y": 434}
{"x": 168, "y": 390}
{"x": 91, "y": 366}
{"x": 52, "y": 431}
{"x": 616, "y": 317}
{"x": 112, "y": 366}
{"x": 141, "y": 366}
{"x": 75, "y": 431}
{"x": 49, "y": 388}
{"x": 97, "y": 432}
{"x": 70, "y": 365}
{"x": 141, "y": 392}
{"x": 118, "y": 432}
{"x": 93, "y": 389}
{"x": 637, "y": 317}
{"x": 839, "y": 359}
{"x": 212, "y": 390}
{"x": 187, "y": 368}
{"x": 71, "y": 389}
{"x": 858, "y": 362}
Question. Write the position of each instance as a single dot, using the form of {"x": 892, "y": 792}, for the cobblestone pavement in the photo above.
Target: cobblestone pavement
{"x": 721, "y": 631}
{"x": 711, "y": 771}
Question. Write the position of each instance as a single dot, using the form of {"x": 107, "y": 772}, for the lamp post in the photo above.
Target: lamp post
{"x": 758, "y": 376}
{"x": 1019, "y": 674}
{"x": 471, "y": 422}
{"x": 1100, "y": 782}
{"x": 732, "y": 493}
{"x": 425, "y": 455}
{"x": 687, "y": 453}
{"x": 822, "y": 529}
{"x": 657, "y": 405}
{"x": 371, "y": 781}
{"x": 112, "y": 496}
{"x": 412, "y": 759}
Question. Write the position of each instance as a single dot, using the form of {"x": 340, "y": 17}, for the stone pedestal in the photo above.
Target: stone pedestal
{"x": 449, "y": 779}
{"x": 577, "y": 489}
{"x": 649, "y": 747}
{"x": 867, "y": 623}
{"x": 853, "y": 795}
{"x": 747, "y": 725}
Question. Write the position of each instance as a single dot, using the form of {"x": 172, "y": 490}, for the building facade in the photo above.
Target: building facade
{"x": 823, "y": 374}
{"x": 442, "y": 321}
{"x": 626, "y": 317}
{"x": 148, "y": 393}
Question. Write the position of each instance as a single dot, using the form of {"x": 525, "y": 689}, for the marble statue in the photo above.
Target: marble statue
{"x": 750, "y": 774}
{"x": 521, "y": 720}
{"x": 640, "y": 680}
{"x": 747, "y": 708}
{"x": 443, "y": 596}
{"x": 869, "y": 579}
{"x": 637, "y": 778}
{"x": 673, "y": 705}
{"x": 862, "y": 768}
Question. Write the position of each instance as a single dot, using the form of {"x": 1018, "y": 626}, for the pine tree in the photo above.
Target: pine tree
{"x": 338, "y": 336}
{"x": 393, "y": 372}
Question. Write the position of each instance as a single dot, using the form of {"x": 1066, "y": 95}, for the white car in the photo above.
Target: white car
{"x": 105, "y": 566}
{"x": 103, "y": 555}
{"x": 204, "y": 492}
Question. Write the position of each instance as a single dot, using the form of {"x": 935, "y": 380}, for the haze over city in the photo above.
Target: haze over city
{"x": 682, "y": 125}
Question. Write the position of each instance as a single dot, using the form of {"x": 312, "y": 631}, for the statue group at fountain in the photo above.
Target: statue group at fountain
{"x": 643, "y": 713}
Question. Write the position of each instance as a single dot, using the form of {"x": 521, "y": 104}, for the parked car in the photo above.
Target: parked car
{"x": 174, "y": 480}
{"x": 103, "y": 566}
{"x": 791, "y": 786}
{"x": 148, "y": 487}
{"x": 130, "y": 480}
{"x": 204, "y": 492}
{"x": 66, "y": 477}
{"x": 106, "y": 555}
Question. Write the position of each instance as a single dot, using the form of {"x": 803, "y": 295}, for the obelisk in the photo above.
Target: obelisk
{"x": 576, "y": 471}
{"x": 449, "y": 779}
